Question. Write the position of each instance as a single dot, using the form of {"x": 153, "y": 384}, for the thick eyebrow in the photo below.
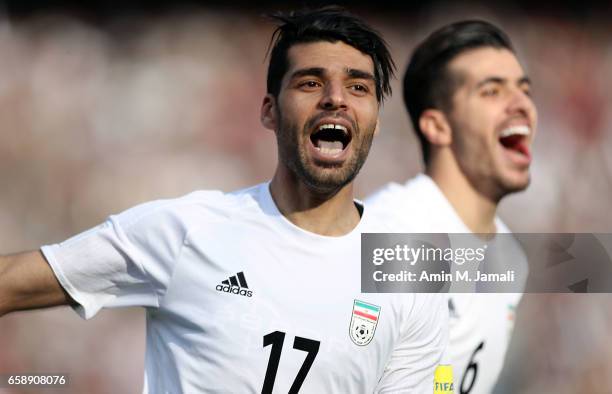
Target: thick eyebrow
{"x": 320, "y": 73}
{"x": 524, "y": 80}
{"x": 496, "y": 80}
{"x": 311, "y": 71}
{"x": 499, "y": 80}
{"x": 360, "y": 74}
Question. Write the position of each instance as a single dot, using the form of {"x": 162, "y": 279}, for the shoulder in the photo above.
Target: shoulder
{"x": 389, "y": 192}
{"x": 403, "y": 206}
{"x": 406, "y": 195}
{"x": 190, "y": 210}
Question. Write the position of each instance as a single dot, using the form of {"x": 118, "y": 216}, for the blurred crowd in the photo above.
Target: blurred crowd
{"x": 97, "y": 118}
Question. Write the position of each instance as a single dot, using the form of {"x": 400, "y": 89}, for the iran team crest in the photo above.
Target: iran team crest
{"x": 363, "y": 322}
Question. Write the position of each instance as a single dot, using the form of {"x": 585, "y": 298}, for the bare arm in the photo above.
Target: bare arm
{"x": 27, "y": 282}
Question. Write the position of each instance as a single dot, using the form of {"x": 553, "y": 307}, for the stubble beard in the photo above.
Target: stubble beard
{"x": 320, "y": 178}
{"x": 496, "y": 184}
{"x": 508, "y": 187}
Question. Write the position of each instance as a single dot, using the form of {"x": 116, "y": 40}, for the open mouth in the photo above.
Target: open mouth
{"x": 331, "y": 139}
{"x": 514, "y": 138}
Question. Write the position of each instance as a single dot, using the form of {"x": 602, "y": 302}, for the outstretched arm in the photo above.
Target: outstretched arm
{"x": 27, "y": 282}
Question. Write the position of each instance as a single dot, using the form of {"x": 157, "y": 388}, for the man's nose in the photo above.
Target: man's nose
{"x": 334, "y": 97}
{"x": 521, "y": 104}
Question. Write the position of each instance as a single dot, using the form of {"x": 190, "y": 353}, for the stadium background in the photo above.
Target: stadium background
{"x": 104, "y": 105}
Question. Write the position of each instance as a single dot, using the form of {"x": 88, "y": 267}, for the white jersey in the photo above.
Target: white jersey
{"x": 240, "y": 300}
{"x": 480, "y": 324}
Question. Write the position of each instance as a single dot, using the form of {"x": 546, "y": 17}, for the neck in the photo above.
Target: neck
{"x": 325, "y": 213}
{"x": 476, "y": 210}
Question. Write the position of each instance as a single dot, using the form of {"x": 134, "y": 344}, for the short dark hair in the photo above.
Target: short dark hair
{"x": 428, "y": 82}
{"x": 332, "y": 24}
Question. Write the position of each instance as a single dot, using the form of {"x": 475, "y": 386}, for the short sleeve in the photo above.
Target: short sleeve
{"x": 421, "y": 349}
{"x": 126, "y": 261}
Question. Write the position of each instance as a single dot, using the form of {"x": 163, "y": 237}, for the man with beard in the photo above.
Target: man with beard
{"x": 260, "y": 289}
{"x": 470, "y": 105}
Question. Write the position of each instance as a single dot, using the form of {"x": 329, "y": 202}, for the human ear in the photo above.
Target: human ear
{"x": 435, "y": 127}
{"x": 268, "y": 112}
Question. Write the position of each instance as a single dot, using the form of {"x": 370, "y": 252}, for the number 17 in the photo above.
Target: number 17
{"x": 276, "y": 339}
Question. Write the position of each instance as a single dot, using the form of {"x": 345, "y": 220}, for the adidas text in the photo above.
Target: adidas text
{"x": 234, "y": 290}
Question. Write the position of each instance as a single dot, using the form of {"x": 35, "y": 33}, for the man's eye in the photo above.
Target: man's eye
{"x": 359, "y": 88}
{"x": 309, "y": 84}
{"x": 490, "y": 92}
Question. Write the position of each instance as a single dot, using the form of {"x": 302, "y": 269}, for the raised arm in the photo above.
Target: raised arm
{"x": 27, "y": 282}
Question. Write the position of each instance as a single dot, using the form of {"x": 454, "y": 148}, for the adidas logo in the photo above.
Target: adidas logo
{"x": 236, "y": 284}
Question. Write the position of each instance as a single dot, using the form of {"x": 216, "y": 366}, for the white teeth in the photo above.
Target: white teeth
{"x": 330, "y": 152}
{"x": 329, "y": 146}
{"x": 520, "y": 130}
{"x": 333, "y": 126}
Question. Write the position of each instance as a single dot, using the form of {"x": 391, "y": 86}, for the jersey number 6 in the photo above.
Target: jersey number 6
{"x": 276, "y": 339}
{"x": 472, "y": 366}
